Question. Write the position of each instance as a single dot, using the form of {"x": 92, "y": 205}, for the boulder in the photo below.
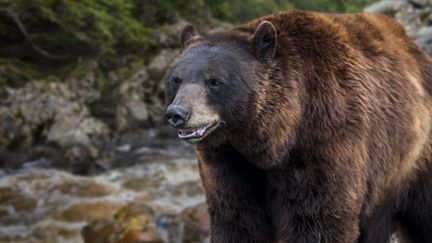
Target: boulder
{"x": 132, "y": 223}
{"x": 54, "y": 115}
{"x": 132, "y": 110}
{"x": 168, "y": 35}
{"x": 19, "y": 201}
{"x": 424, "y": 38}
{"x": 197, "y": 223}
{"x": 140, "y": 101}
{"x": 87, "y": 211}
{"x": 387, "y": 7}
{"x": 83, "y": 80}
{"x": 13, "y": 131}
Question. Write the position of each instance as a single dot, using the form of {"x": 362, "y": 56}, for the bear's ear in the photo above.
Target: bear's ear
{"x": 189, "y": 32}
{"x": 265, "y": 40}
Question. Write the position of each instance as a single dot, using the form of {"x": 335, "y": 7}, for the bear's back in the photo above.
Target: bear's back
{"x": 322, "y": 38}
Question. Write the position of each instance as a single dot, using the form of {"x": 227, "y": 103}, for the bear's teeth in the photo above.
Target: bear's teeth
{"x": 193, "y": 133}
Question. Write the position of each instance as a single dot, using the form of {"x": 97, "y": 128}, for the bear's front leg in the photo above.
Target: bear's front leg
{"x": 235, "y": 191}
{"x": 316, "y": 201}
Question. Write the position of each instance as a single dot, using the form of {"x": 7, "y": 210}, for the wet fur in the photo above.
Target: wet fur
{"x": 333, "y": 143}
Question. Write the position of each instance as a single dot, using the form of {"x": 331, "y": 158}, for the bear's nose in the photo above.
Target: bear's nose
{"x": 176, "y": 116}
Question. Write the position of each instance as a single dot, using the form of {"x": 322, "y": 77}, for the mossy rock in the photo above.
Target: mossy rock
{"x": 88, "y": 211}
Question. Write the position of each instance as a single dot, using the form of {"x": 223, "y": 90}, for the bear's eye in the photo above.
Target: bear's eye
{"x": 214, "y": 82}
{"x": 176, "y": 80}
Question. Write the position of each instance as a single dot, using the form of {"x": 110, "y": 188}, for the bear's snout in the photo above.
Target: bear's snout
{"x": 177, "y": 116}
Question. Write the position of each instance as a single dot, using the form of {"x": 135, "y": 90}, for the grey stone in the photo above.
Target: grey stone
{"x": 13, "y": 130}
{"x": 424, "y": 39}
{"x": 422, "y": 2}
{"x": 131, "y": 110}
{"x": 160, "y": 64}
{"x": 168, "y": 35}
{"x": 388, "y": 7}
{"x": 85, "y": 82}
{"x": 53, "y": 107}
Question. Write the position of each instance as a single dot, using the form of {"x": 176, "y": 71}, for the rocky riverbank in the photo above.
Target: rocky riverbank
{"x": 157, "y": 201}
{"x": 84, "y": 153}
{"x": 85, "y": 121}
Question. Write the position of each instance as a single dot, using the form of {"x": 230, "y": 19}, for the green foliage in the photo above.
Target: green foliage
{"x": 156, "y": 12}
{"x": 52, "y": 35}
{"x": 109, "y": 28}
{"x": 241, "y": 11}
{"x": 79, "y": 27}
{"x": 340, "y": 6}
{"x": 15, "y": 73}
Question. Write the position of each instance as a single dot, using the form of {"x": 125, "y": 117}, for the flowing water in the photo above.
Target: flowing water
{"x": 41, "y": 204}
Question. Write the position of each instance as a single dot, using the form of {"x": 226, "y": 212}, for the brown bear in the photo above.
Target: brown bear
{"x": 309, "y": 127}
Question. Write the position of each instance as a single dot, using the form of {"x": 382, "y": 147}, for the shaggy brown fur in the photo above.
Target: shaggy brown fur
{"x": 333, "y": 143}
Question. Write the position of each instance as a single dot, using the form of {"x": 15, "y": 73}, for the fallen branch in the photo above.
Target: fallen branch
{"x": 23, "y": 30}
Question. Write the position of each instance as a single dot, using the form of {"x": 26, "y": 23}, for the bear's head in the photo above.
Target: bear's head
{"x": 210, "y": 89}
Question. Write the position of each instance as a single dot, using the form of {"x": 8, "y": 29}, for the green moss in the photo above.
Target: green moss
{"x": 15, "y": 73}
{"x": 425, "y": 15}
{"x": 78, "y": 28}
{"x": 79, "y": 70}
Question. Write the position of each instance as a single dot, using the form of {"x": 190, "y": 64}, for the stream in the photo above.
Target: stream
{"x": 43, "y": 204}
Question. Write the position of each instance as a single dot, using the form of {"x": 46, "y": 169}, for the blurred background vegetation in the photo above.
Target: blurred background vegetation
{"x": 241, "y": 11}
{"x": 56, "y": 39}
{"x": 39, "y": 31}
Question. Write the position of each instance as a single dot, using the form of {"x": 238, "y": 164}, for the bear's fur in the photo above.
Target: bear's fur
{"x": 324, "y": 128}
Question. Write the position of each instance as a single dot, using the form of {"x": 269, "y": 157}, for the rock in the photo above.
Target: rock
{"x": 39, "y": 102}
{"x": 131, "y": 111}
{"x": 409, "y": 17}
{"x": 140, "y": 98}
{"x": 387, "y": 7}
{"x": 424, "y": 38}
{"x": 50, "y": 115}
{"x": 88, "y": 211}
{"x": 160, "y": 64}
{"x": 13, "y": 130}
{"x": 53, "y": 234}
{"x": 197, "y": 223}
{"x": 83, "y": 188}
{"x": 131, "y": 223}
{"x": 140, "y": 237}
{"x": 133, "y": 209}
{"x": 168, "y": 35}
{"x": 196, "y": 216}
{"x": 53, "y": 114}
{"x": 100, "y": 230}
{"x": 188, "y": 189}
{"x": 77, "y": 158}
{"x": 422, "y": 2}
{"x": 19, "y": 201}
{"x": 83, "y": 81}
{"x": 142, "y": 184}
{"x": 190, "y": 225}
{"x": 68, "y": 129}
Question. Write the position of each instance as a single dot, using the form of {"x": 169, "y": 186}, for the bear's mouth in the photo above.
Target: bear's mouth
{"x": 196, "y": 134}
